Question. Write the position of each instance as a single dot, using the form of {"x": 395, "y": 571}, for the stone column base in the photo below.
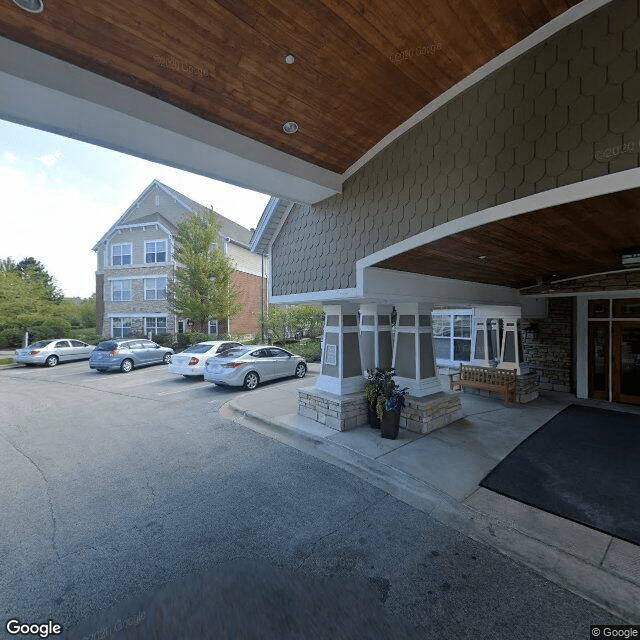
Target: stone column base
{"x": 527, "y": 388}
{"x": 426, "y": 414}
{"x": 338, "y": 412}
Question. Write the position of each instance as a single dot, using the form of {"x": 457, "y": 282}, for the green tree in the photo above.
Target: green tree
{"x": 202, "y": 289}
{"x": 283, "y": 322}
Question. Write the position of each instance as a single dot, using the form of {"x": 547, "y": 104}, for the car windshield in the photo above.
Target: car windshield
{"x": 109, "y": 345}
{"x": 234, "y": 352}
{"x": 40, "y": 344}
{"x": 198, "y": 348}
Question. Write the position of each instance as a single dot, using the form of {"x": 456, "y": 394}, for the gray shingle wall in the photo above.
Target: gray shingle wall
{"x": 563, "y": 112}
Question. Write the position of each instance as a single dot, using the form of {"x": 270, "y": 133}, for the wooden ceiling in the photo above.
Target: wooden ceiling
{"x": 362, "y": 67}
{"x": 575, "y": 239}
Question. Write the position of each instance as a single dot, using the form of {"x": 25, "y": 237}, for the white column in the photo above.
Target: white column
{"x": 375, "y": 336}
{"x": 413, "y": 356}
{"x": 341, "y": 369}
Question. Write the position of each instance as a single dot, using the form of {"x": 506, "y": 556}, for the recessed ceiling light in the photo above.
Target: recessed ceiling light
{"x": 32, "y": 6}
{"x": 290, "y": 127}
{"x": 289, "y": 59}
{"x": 482, "y": 257}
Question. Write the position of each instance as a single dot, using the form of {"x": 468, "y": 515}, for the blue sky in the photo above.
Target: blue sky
{"x": 59, "y": 196}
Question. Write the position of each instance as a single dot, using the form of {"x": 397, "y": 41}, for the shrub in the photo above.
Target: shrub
{"x": 87, "y": 335}
{"x": 11, "y": 337}
{"x": 308, "y": 349}
{"x": 166, "y": 340}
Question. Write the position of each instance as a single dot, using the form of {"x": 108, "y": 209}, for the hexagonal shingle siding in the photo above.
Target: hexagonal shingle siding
{"x": 563, "y": 112}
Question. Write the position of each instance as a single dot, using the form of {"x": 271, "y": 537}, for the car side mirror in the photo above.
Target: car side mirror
{"x": 157, "y": 346}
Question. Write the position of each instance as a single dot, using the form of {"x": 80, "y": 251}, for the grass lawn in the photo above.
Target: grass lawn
{"x": 6, "y": 361}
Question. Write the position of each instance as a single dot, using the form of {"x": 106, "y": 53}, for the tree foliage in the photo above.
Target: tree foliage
{"x": 202, "y": 289}
{"x": 285, "y": 322}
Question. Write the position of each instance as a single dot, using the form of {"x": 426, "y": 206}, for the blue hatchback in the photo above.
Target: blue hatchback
{"x": 124, "y": 354}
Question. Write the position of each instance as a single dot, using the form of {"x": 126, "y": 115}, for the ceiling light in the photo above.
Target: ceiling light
{"x": 32, "y": 6}
{"x": 631, "y": 259}
{"x": 290, "y": 127}
{"x": 482, "y": 257}
{"x": 289, "y": 59}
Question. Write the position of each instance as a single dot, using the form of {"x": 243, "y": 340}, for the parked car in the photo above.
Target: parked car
{"x": 192, "y": 360}
{"x": 249, "y": 366}
{"x": 51, "y": 352}
{"x": 125, "y": 354}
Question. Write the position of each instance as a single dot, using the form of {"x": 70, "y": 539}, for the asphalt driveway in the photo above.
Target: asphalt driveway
{"x": 128, "y": 505}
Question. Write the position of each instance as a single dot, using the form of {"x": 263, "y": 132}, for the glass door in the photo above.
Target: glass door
{"x": 626, "y": 362}
{"x": 599, "y": 360}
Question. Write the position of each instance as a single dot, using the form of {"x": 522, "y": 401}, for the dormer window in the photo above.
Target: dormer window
{"x": 120, "y": 254}
{"x": 155, "y": 251}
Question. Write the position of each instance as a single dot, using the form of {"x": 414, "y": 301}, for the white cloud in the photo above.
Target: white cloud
{"x": 50, "y": 159}
{"x": 8, "y": 156}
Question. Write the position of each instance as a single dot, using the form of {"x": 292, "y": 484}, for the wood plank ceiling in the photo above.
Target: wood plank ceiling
{"x": 570, "y": 240}
{"x": 362, "y": 67}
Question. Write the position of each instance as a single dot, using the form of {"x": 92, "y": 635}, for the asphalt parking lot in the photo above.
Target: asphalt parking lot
{"x": 127, "y": 497}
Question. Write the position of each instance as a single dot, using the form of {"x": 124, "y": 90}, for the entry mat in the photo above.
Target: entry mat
{"x": 583, "y": 465}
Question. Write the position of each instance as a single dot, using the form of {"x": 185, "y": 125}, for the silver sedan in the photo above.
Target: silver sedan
{"x": 249, "y": 366}
{"x": 51, "y": 352}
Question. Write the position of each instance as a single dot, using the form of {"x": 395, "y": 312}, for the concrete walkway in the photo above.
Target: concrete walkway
{"x": 439, "y": 473}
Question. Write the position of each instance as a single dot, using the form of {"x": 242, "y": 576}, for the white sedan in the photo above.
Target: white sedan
{"x": 192, "y": 361}
{"x": 50, "y": 352}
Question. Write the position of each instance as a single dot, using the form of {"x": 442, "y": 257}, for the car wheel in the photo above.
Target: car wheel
{"x": 166, "y": 359}
{"x": 251, "y": 380}
{"x": 301, "y": 370}
{"x": 126, "y": 366}
{"x": 51, "y": 361}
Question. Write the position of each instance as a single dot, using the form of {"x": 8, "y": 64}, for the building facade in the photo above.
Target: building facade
{"x": 517, "y": 192}
{"x": 135, "y": 264}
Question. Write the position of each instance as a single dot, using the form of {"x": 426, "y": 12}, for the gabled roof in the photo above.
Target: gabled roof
{"x": 235, "y": 232}
{"x": 270, "y": 221}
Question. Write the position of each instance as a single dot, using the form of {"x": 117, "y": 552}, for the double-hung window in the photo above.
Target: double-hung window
{"x": 155, "y": 251}
{"x": 155, "y": 288}
{"x": 120, "y": 254}
{"x": 120, "y": 290}
{"x": 452, "y": 336}
{"x": 155, "y": 325}
{"x": 121, "y": 327}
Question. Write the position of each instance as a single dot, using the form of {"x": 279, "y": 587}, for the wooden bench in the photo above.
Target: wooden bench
{"x": 504, "y": 380}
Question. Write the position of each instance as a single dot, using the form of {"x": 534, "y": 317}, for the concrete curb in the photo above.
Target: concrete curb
{"x": 604, "y": 588}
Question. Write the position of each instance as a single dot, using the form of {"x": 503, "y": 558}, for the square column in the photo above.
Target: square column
{"x": 413, "y": 356}
{"x": 375, "y": 336}
{"x": 341, "y": 369}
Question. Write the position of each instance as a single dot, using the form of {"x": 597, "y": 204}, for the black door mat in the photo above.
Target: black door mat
{"x": 582, "y": 465}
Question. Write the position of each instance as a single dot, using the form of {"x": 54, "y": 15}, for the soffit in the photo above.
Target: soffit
{"x": 575, "y": 239}
{"x": 362, "y": 67}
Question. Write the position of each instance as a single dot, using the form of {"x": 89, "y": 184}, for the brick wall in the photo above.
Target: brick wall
{"x": 548, "y": 345}
{"x": 249, "y": 287}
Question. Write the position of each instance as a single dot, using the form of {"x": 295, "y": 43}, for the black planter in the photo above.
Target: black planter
{"x": 390, "y": 424}
{"x": 374, "y": 421}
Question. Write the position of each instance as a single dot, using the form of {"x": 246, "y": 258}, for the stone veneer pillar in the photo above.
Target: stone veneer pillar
{"x": 375, "y": 336}
{"x": 341, "y": 371}
{"x": 413, "y": 356}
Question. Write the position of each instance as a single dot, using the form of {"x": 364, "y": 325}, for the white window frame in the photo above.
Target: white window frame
{"x": 151, "y": 288}
{"x": 452, "y": 314}
{"x": 152, "y": 327}
{"x": 155, "y": 251}
{"x": 125, "y": 323}
{"x": 122, "y": 254}
{"x": 121, "y": 290}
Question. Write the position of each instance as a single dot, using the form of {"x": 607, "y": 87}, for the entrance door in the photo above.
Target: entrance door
{"x": 599, "y": 360}
{"x": 626, "y": 362}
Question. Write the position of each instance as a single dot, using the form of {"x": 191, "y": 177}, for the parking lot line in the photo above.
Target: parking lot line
{"x": 190, "y": 388}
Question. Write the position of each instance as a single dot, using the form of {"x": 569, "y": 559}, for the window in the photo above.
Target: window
{"x": 213, "y": 327}
{"x": 155, "y": 288}
{"x": 452, "y": 336}
{"x": 120, "y": 254}
{"x": 121, "y": 290}
{"x": 155, "y": 251}
{"x": 121, "y": 327}
{"x": 155, "y": 325}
